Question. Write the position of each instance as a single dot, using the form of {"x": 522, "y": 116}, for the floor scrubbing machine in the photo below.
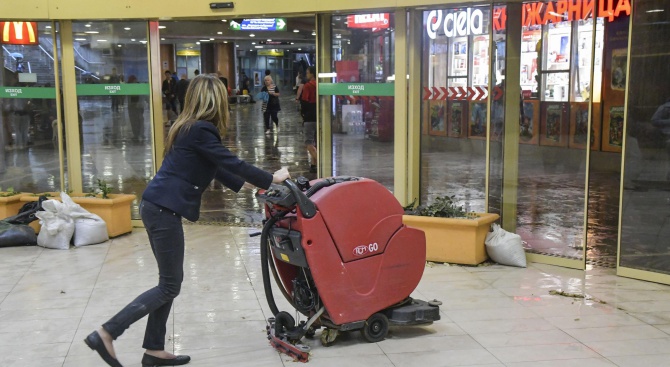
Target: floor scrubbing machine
{"x": 341, "y": 257}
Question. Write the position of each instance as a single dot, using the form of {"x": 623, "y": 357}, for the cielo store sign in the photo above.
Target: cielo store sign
{"x": 455, "y": 24}
{"x": 19, "y": 33}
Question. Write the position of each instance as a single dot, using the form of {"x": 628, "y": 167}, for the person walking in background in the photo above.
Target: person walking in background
{"x": 272, "y": 107}
{"x": 308, "y": 111}
{"x": 169, "y": 89}
{"x": 245, "y": 85}
{"x": 180, "y": 90}
{"x": 194, "y": 155}
{"x": 20, "y": 116}
{"x": 116, "y": 100}
{"x": 136, "y": 113}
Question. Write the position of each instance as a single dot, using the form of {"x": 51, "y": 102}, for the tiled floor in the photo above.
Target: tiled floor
{"x": 491, "y": 315}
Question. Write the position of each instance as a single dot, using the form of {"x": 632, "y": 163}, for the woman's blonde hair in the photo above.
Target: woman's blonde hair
{"x": 206, "y": 100}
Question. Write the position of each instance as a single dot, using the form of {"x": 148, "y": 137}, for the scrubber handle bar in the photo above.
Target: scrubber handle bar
{"x": 306, "y": 206}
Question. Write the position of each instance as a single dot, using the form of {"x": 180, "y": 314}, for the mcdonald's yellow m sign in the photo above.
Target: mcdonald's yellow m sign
{"x": 19, "y": 33}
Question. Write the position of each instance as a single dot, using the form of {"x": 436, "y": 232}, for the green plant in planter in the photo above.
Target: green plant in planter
{"x": 104, "y": 189}
{"x": 10, "y": 192}
{"x": 442, "y": 207}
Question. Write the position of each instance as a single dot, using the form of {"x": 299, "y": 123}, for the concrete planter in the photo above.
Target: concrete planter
{"x": 454, "y": 240}
{"x": 115, "y": 211}
{"x": 10, "y": 205}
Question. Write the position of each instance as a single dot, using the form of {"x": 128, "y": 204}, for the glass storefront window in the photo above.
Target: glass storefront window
{"x": 455, "y": 117}
{"x": 113, "y": 102}
{"x": 29, "y": 157}
{"x": 645, "y": 227}
{"x": 567, "y": 108}
{"x": 362, "y": 93}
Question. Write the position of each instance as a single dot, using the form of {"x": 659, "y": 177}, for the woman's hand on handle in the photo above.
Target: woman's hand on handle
{"x": 280, "y": 176}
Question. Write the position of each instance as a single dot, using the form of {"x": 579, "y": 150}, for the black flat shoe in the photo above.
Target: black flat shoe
{"x": 151, "y": 361}
{"x": 94, "y": 341}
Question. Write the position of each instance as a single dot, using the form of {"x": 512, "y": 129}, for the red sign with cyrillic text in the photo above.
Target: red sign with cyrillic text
{"x": 540, "y": 13}
{"x": 380, "y": 20}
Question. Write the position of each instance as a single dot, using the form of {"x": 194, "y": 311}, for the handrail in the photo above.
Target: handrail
{"x": 46, "y": 40}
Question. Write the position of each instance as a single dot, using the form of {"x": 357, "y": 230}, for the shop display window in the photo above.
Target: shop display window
{"x": 456, "y": 72}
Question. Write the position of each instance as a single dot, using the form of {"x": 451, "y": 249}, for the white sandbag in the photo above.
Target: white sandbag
{"x": 505, "y": 247}
{"x": 89, "y": 231}
{"x": 57, "y": 225}
{"x": 89, "y": 228}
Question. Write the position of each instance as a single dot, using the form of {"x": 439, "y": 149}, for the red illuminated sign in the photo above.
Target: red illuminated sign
{"x": 540, "y": 13}
{"x": 380, "y": 20}
{"x": 19, "y": 33}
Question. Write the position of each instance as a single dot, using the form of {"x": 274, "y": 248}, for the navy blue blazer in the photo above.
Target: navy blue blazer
{"x": 198, "y": 156}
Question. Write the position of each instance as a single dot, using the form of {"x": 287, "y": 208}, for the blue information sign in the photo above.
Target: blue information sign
{"x": 260, "y": 24}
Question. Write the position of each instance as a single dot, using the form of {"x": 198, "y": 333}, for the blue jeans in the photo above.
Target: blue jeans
{"x": 166, "y": 236}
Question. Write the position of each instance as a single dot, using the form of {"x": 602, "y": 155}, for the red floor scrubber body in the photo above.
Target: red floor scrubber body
{"x": 342, "y": 258}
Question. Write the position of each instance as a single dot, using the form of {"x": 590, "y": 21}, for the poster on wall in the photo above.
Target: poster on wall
{"x": 579, "y": 122}
{"x": 613, "y": 129}
{"x": 257, "y": 78}
{"x": 425, "y": 118}
{"x": 614, "y": 83}
{"x": 457, "y": 119}
{"x": 553, "y": 128}
{"x": 529, "y": 123}
{"x": 437, "y": 118}
{"x": 619, "y": 67}
{"x": 347, "y": 71}
{"x": 478, "y": 122}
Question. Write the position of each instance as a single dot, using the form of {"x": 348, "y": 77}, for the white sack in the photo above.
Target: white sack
{"x": 89, "y": 228}
{"x": 57, "y": 225}
{"x": 505, "y": 247}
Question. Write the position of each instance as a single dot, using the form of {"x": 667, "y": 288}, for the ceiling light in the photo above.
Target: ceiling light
{"x": 162, "y": 39}
{"x": 258, "y": 46}
{"x": 224, "y": 20}
{"x": 161, "y": 27}
{"x": 253, "y": 43}
{"x": 80, "y": 39}
{"x": 87, "y": 25}
{"x": 119, "y": 45}
{"x": 102, "y": 40}
{"x": 197, "y": 43}
{"x": 127, "y": 28}
{"x": 225, "y": 41}
{"x": 204, "y": 40}
{"x": 252, "y": 35}
{"x": 219, "y": 32}
{"x": 143, "y": 42}
{"x": 48, "y": 27}
{"x": 92, "y": 32}
{"x": 293, "y": 43}
{"x": 132, "y": 40}
{"x": 313, "y": 33}
{"x": 295, "y": 31}
{"x": 269, "y": 40}
{"x": 655, "y": 11}
{"x": 211, "y": 39}
{"x": 299, "y": 49}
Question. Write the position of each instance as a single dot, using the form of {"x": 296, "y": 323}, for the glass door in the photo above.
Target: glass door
{"x": 644, "y": 248}
{"x": 29, "y": 139}
{"x": 113, "y": 103}
{"x": 360, "y": 91}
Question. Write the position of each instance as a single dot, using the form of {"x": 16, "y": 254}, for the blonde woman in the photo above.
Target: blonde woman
{"x": 194, "y": 155}
{"x": 272, "y": 107}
